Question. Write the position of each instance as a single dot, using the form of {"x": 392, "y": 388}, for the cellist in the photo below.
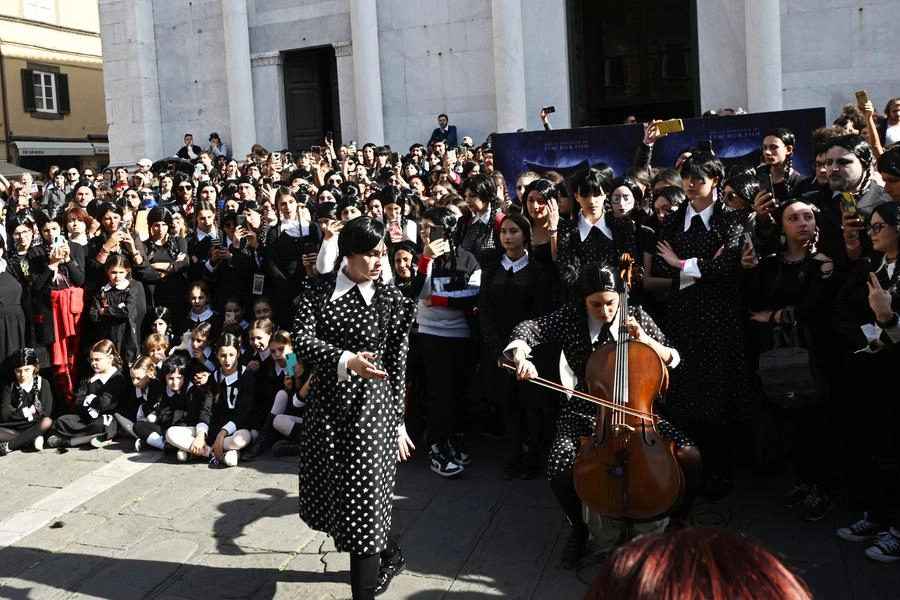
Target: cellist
{"x": 579, "y": 327}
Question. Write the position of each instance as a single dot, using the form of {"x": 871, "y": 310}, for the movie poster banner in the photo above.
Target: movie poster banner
{"x": 734, "y": 139}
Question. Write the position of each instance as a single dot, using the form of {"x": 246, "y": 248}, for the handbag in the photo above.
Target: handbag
{"x": 785, "y": 372}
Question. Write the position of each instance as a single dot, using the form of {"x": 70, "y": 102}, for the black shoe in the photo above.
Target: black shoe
{"x": 794, "y": 495}
{"x": 461, "y": 455}
{"x": 59, "y": 442}
{"x": 816, "y": 505}
{"x": 4, "y": 448}
{"x": 442, "y": 461}
{"x": 252, "y": 451}
{"x": 285, "y": 448}
{"x": 388, "y": 571}
{"x": 574, "y": 548}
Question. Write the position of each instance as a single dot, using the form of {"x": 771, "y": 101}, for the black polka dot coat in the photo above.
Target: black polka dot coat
{"x": 704, "y": 320}
{"x": 348, "y": 448}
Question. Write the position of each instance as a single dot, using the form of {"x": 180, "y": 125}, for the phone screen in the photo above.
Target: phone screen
{"x": 436, "y": 233}
{"x": 242, "y": 221}
{"x": 291, "y": 361}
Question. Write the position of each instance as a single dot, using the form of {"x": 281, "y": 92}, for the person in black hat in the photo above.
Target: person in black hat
{"x": 246, "y": 187}
{"x": 217, "y": 147}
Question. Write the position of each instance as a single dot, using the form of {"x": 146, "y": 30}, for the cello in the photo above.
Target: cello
{"x": 625, "y": 470}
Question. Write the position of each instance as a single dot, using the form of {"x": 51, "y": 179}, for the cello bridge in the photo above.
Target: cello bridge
{"x": 622, "y": 427}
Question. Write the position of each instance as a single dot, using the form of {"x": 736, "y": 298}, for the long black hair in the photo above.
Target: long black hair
{"x": 599, "y": 277}
{"x": 359, "y": 236}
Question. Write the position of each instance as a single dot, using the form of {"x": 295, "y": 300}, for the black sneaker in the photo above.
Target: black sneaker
{"x": 442, "y": 462}
{"x": 816, "y": 505}
{"x": 794, "y": 495}
{"x": 574, "y": 548}
{"x": 57, "y": 441}
{"x": 886, "y": 547}
{"x": 862, "y": 530}
{"x": 285, "y": 448}
{"x": 388, "y": 571}
{"x": 461, "y": 455}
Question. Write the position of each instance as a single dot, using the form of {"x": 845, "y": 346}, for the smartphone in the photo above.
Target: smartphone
{"x": 58, "y": 241}
{"x": 291, "y": 361}
{"x": 436, "y": 233}
{"x": 549, "y": 109}
{"x": 315, "y": 149}
{"x": 765, "y": 182}
{"x": 848, "y": 203}
{"x": 329, "y": 135}
{"x": 395, "y": 157}
{"x": 216, "y": 242}
{"x": 353, "y": 143}
{"x": 242, "y": 221}
{"x": 748, "y": 239}
{"x": 861, "y": 98}
{"x": 451, "y": 153}
{"x": 705, "y": 146}
{"x": 671, "y": 126}
{"x": 310, "y": 247}
{"x": 123, "y": 226}
{"x": 198, "y": 167}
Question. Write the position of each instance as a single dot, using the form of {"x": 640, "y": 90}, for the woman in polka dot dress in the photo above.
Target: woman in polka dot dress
{"x": 699, "y": 250}
{"x": 353, "y": 331}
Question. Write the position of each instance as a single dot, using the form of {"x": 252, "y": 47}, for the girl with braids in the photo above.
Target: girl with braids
{"x": 115, "y": 309}
{"x": 478, "y": 232}
{"x": 512, "y": 290}
{"x": 793, "y": 290}
{"x": 777, "y": 156}
{"x": 140, "y": 401}
{"x": 699, "y": 252}
{"x": 167, "y": 263}
{"x": 353, "y": 330}
{"x": 226, "y": 416}
{"x": 95, "y": 401}
{"x": 593, "y": 235}
{"x": 400, "y": 228}
{"x": 25, "y": 405}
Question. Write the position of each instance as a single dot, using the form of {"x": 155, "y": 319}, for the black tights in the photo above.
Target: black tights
{"x": 563, "y": 486}
{"x": 364, "y": 569}
{"x": 20, "y": 439}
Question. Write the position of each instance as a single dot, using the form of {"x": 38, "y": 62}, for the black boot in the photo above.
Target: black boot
{"x": 263, "y": 440}
{"x": 389, "y": 569}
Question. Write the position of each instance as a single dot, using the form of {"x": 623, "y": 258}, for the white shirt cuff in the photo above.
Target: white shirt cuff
{"x": 342, "y": 372}
{"x": 401, "y": 429}
{"x": 676, "y": 358}
{"x": 230, "y": 427}
{"x": 508, "y": 352}
{"x": 203, "y": 427}
{"x": 689, "y": 274}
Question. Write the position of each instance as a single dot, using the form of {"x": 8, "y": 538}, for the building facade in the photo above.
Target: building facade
{"x": 283, "y": 72}
{"x": 51, "y": 82}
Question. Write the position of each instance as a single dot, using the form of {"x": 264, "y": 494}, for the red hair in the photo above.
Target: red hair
{"x": 695, "y": 564}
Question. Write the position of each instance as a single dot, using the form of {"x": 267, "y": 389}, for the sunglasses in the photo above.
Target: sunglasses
{"x": 185, "y": 187}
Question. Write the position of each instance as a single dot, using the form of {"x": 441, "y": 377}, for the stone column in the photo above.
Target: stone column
{"x": 762, "y": 21}
{"x": 268, "y": 97}
{"x": 509, "y": 64}
{"x": 343, "y": 55}
{"x": 131, "y": 81}
{"x": 240, "y": 81}
{"x": 366, "y": 71}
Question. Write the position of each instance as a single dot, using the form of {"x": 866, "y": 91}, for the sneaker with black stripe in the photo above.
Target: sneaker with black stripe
{"x": 816, "y": 505}
{"x": 442, "y": 461}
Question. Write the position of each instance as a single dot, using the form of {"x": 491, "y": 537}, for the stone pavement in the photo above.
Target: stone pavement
{"x": 116, "y": 525}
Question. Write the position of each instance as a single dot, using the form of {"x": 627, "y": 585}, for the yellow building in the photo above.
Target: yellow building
{"x": 52, "y": 107}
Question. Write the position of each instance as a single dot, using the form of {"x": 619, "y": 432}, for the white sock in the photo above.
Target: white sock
{"x": 156, "y": 440}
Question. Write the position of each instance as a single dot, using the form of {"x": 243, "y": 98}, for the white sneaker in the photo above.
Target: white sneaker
{"x": 39, "y": 443}
{"x": 231, "y": 458}
{"x": 183, "y": 456}
{"x": 138, "y": 445}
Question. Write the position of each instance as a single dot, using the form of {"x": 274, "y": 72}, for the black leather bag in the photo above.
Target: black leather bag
{"x": 785, "y": 372}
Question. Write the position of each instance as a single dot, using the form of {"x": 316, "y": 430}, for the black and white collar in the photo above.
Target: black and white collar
{"x": 204, "y": 316}
{"x": 584, "y": 228}
{"x": 705, "y": 215}
{"x": 514, "y": 265}
{"x": 104, "y": 377}
{"x": 344, "y": 284}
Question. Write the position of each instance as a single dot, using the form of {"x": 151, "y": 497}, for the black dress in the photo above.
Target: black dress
{"x": 95, "y": 403}
{"x": 117, "y": 323}
{"x": 598, "y": 247}
{"x": 348, "y": 444}
{"x": 20, "y": 409}
{"x": 12, "y": 318}
{"x": 704, "y": 320}
{"x": 169, "y": 289}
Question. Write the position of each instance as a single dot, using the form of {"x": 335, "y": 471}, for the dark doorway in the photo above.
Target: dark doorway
{"x": 311, "y": 97}
{"x": 631, "y": 58}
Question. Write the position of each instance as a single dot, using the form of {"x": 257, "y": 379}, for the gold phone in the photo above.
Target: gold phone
{"x": 861, "y": 98}
{"x": 848, "y": 203}
{"x": 671, "y": 126}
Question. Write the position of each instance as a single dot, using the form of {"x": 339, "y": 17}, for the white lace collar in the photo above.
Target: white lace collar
{"x": 344, "y": 284}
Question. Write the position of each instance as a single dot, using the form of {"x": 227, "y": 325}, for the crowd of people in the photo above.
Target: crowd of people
{"x": 181, "y": 305}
